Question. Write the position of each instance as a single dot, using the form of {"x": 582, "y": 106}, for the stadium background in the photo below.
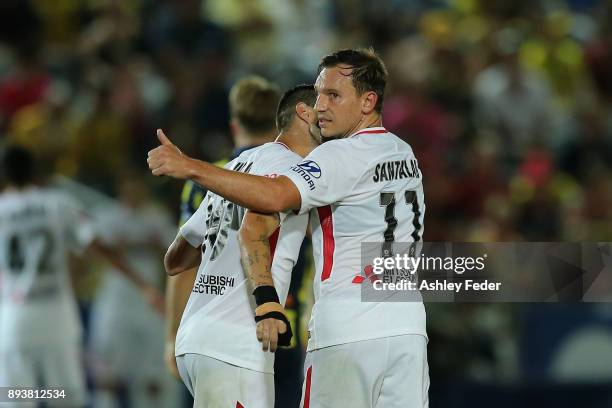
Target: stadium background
{"x": 506, "y": 103}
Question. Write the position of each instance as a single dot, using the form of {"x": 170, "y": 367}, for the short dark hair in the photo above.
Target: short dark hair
{"x": 18, "y": 165}
{"x": 286, "y": 107}
{"x": 253, "y": 102}
{"x": 368, "y": 70}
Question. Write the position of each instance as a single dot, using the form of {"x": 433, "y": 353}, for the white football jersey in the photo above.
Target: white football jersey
{"x": 38, "y": 227}
{"x": 219, "y": 317}
{"x": 363, "y": 188}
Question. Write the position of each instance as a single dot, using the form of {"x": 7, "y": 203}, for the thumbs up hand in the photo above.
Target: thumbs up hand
{"x": 163, "y": 139}
{"x": 167, "y": 159}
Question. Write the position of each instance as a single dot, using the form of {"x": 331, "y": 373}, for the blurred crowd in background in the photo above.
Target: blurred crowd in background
{"x": 507, "y": 105}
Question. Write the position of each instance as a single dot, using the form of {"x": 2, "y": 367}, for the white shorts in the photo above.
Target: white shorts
{"x": 388, "y": 372}
{"x": 48, "y": 366}
{"x": 214, "y": 383}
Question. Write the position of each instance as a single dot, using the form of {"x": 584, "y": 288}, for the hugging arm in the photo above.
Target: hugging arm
{"x": 258, "y": 193}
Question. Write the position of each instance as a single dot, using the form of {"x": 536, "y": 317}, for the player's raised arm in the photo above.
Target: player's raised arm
{"x": 273, "y": 327}
{"x": 153, "y": 296}
{"x": 261, "y": 194}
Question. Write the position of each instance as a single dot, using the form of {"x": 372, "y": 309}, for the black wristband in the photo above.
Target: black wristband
{"x": 284, "y": 339}
{"x": 265, "y": 294}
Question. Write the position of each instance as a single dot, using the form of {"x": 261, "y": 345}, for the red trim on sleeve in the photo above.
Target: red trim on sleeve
{"x": 239, "y": 405}
{"x": 307, "y": 390}
{"x": 329, "y": 245}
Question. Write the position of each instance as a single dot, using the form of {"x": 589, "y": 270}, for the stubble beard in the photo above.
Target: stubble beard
{"x": 315, "y": 134}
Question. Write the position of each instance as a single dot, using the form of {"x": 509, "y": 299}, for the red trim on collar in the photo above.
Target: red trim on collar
{"x": 363, "y": 132}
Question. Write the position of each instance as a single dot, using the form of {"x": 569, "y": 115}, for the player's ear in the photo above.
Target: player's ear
{"x": 234, "y": 127}
{"x": 304, "y": 112}
{"x": 368, "y": 102}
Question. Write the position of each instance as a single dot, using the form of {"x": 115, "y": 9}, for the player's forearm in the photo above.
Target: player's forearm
{"x": 178, "y": 289}
{"x": 120, "y": 264}
{"x": 257, "y": 193}
{"x": 255, "y": 258}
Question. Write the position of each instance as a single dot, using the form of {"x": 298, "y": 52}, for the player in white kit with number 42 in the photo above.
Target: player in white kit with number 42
{"x": 40, "y": 329}
{"x": 362, "y": 185}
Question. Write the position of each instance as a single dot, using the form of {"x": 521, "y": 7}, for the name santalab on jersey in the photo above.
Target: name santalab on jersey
{"x": 396, "y": 169}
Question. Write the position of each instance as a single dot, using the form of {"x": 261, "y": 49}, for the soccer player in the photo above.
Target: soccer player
{"x": 218, "y": 354}
{"x": 362, "y": 185}
{"x": 126, "y": 341}
{"x": 253, "y": 101}
{"x": 39, "y": 324}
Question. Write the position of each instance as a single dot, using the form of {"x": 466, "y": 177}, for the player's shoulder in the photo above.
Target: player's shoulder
{"x": 42, "y": 195}
{"x": 363, "y": 145}
{"x": 380, "y": 143}
{"x": 49, "y": 199}
{"x": 245, "y": 156}
{"x": 272, "y": 157}
{"x": 329, "y": 148}
{"x": 7, "y": 195}
{"x": 275, "y": 149}
{"x": 62, "y": 204}
{"x": 54, "y": 196}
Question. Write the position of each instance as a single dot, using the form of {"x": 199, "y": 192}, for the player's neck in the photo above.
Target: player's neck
{"x": 246, "y": 140}
{"x": 368, "y": 121}
{"x": 295, "y": 142}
